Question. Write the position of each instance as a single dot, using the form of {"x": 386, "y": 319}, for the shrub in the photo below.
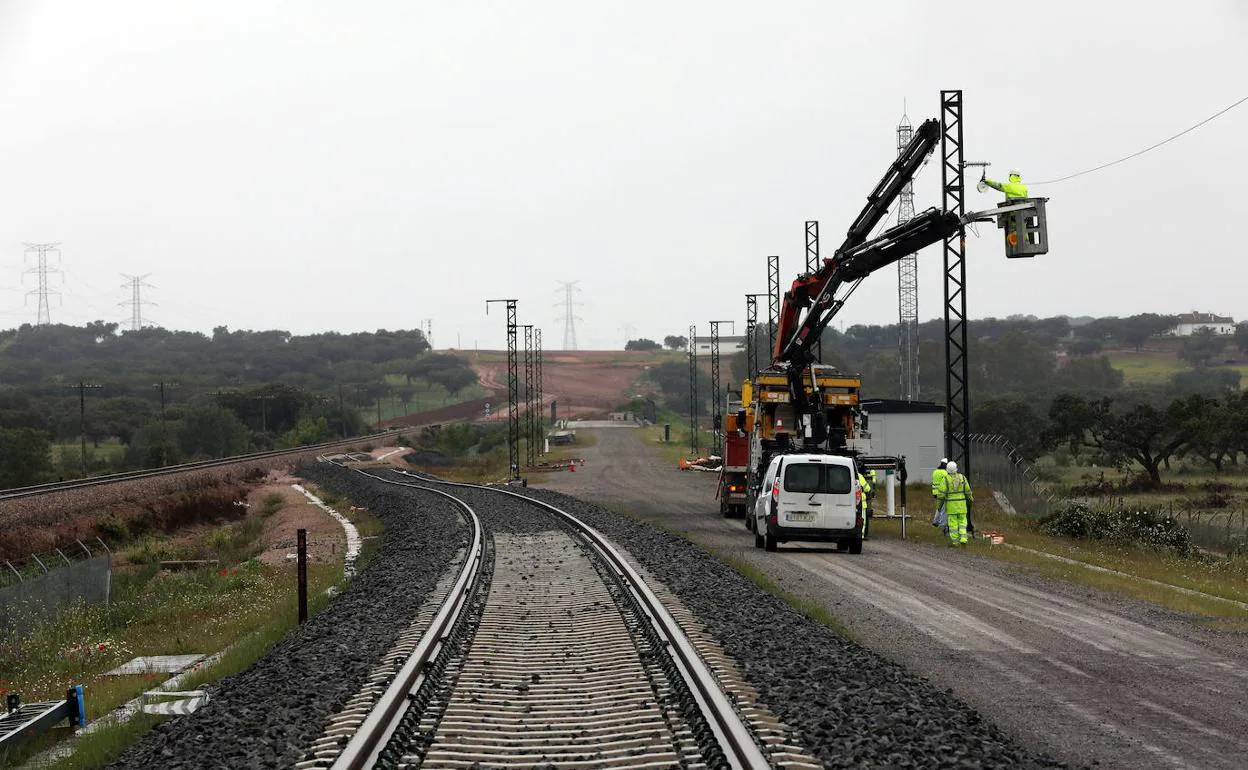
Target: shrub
{"x": 1084, "y": 522}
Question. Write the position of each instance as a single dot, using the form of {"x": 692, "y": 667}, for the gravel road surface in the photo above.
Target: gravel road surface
{"x": 1086, "y": 676}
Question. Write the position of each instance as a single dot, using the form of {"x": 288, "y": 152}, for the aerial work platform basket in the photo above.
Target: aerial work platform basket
{"x": 1025, "y": 225}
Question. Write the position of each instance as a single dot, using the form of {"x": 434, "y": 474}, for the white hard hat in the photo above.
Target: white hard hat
{"x": 944, "y": 461}
{"x": 1015, "y": 172}
{"x": 953, "y": 467}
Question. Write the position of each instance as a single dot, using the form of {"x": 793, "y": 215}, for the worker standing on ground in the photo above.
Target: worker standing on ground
{"x": 956, "y": 497}
{"x": 938, "y": 484}
{"x": 1013, "y": 188}
{"x": 868, "y": 494}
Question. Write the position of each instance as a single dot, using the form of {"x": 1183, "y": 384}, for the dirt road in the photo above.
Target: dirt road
{"x": 1084, "y": 675}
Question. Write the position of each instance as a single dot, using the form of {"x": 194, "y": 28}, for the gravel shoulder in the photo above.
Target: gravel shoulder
{"x": 1083, "y": 675}
{"x": 268, "y": 715}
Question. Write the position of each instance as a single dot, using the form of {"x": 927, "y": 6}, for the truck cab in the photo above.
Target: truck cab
{"x": 811, "y": 497}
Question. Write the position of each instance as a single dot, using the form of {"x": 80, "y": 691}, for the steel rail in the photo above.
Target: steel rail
{"x": 370, "y": 739}
{"x": 734, "y": 737}
{"x": 16, "y": 493}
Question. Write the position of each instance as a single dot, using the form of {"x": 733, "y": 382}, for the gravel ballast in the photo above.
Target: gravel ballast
{"x": 849, "y": 706}
{"x": 268, "y": 715}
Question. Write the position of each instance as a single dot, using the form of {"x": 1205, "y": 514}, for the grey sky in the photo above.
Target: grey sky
{"x": 313, "y": 165}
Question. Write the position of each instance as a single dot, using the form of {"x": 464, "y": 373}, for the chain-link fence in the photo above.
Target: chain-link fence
{"x": 1001, "y": 466}
{"x": 40, "y": 585}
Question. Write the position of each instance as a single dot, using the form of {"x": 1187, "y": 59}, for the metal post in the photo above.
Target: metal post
{"x": 693, "y": 389}
{"x": 513, "y": 390}
{"x": 529, "y": 383}
{"x": 717, "y": 399}
{"x": 540, "y": 414}
{"x": 812, "y": 264}
{"x": 957, "y": 367}
{"x": 751, "y": 330}
{"x": 907, "y": 285}
{"x": 302, "y": 550}
{"x": 773, "y": 301}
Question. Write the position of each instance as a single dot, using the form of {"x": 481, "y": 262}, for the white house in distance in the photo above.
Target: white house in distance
{"x": 1189, "y": 323}
{"x": 727, "y": 345}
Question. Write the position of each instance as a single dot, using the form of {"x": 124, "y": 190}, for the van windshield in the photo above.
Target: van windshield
{"x": 817, "y": 478}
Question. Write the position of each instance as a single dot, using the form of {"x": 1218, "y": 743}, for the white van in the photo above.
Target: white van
{"x": 809, "y": 497}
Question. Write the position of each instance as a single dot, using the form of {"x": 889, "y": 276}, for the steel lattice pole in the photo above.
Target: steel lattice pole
{"x": 513, "y": 390}
{"x": 812, "y": 264}
{"x": 773, "y": 300}
{"x": 529, "y": 382}
{"x": 693, "y": 389}
{"x": 541, "y": 403}
{"x": 957, "y": 367}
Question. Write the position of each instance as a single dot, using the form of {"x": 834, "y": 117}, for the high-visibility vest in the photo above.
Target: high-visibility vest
{"x": 1012, "y": 189}
{"x": 956, "y": 493}
{"x": 938, "y": 481}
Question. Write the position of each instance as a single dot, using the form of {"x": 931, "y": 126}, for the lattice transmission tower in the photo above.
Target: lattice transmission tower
{"x": 569, "y": 305}
{"x": 41, "y": 269}
{"x": 907, "y": 285}
{"x": 136, "y": 283}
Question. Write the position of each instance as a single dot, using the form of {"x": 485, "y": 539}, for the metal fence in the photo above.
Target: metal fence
{"x": 40, "y": 586}
{"x": 1000, "y": 465}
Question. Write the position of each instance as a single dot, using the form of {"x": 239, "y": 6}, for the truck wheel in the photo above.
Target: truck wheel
{"x": 758, "y": 541}
{"x": 855, "y": 545}
{"x": 769, "y": 542}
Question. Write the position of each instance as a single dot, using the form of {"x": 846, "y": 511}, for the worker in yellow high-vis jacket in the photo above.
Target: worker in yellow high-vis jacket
{"x": 868, "y": 498}
{"x": 938, "y": 483}
{"x": 1013, "y": 188}
{"x": 957, "y": 497}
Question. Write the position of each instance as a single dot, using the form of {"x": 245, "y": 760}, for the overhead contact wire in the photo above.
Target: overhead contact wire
{"x": 1137, "y": 154}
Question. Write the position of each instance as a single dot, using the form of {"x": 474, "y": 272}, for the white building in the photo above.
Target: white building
{"x": 727, "y": 346}
{"x": 1189, "y": 323}
{"x": 911, "y": 429}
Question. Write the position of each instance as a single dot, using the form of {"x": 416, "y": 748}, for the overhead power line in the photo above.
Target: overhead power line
{"x": 1137, "y": 154}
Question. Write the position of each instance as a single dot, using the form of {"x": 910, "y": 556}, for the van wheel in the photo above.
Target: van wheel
{"x": 855, "y": 544}
{"x": 758, "y": 541}
{"x": 769, "y": 542}
{"x": 749, "y": 523}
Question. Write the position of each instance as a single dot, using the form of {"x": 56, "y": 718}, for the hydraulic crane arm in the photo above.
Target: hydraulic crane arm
{"x": 895, "y": 179}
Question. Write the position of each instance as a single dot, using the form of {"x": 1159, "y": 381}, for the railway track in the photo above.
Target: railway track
{"x": 17, "y": 493}
{"x": 547, "y": 649}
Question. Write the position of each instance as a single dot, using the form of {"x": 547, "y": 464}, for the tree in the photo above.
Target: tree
{"x": 1089, "y": 374}
{"x": 25, "y": 457}
{"x": 455, "y": 379}
{"x": 642, "y": 344}
{"x": 1141, "y": 433}
{"x": 1241, "y": 336}
{"x": 675, "y": 342}
{"x": 1138, "y": 329}
{"x": 1086, "y": 346}
{"x": 1014, "y": 419}
{"x": 1202, "y": 347}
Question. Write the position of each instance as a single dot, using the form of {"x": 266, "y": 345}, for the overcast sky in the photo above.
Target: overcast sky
{"x": 313, "y": 166}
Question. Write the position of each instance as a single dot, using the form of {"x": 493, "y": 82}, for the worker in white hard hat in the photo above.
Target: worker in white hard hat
{"x": 1013, "y": 188}
{"x": 956, "y": 496}
{"x": 938, "y": 483}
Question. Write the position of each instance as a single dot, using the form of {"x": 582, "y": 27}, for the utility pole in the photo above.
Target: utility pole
{"x": 693, "y": 388}
{"x": 569, "y": 305}
{"x": 164, "y": 440}
{"x": 426, "y": 328}
{"x": 628, "y": 330}
{"x": 541, "y": 403}
{"x": 812, "y": 265}
{"x": 957, "y": 367}
{"x": 342, "y": 412}
{"x": 264, "y": 422}
{"x": 773, "y": 300}
{"x": 82, "y": 387}
{"x": 907, "y": 284}
{"x": 135, "y": 284}
{"x": 41, "y": 269}
{"x": 530, "y": 379}
{"x": 717, "y": 401}
{"x": 751, "y": 330}
{"x": 513, "y": 389}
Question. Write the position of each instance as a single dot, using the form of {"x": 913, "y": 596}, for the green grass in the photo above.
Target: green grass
{"x": 238, "y": 604}
{"x": 678, "y": 447}
{"x": 1155, "y": 367}
{"x": 1227, "y": 578}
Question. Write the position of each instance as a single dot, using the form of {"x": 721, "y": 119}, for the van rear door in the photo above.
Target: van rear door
{"x": 817, "y": 494}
